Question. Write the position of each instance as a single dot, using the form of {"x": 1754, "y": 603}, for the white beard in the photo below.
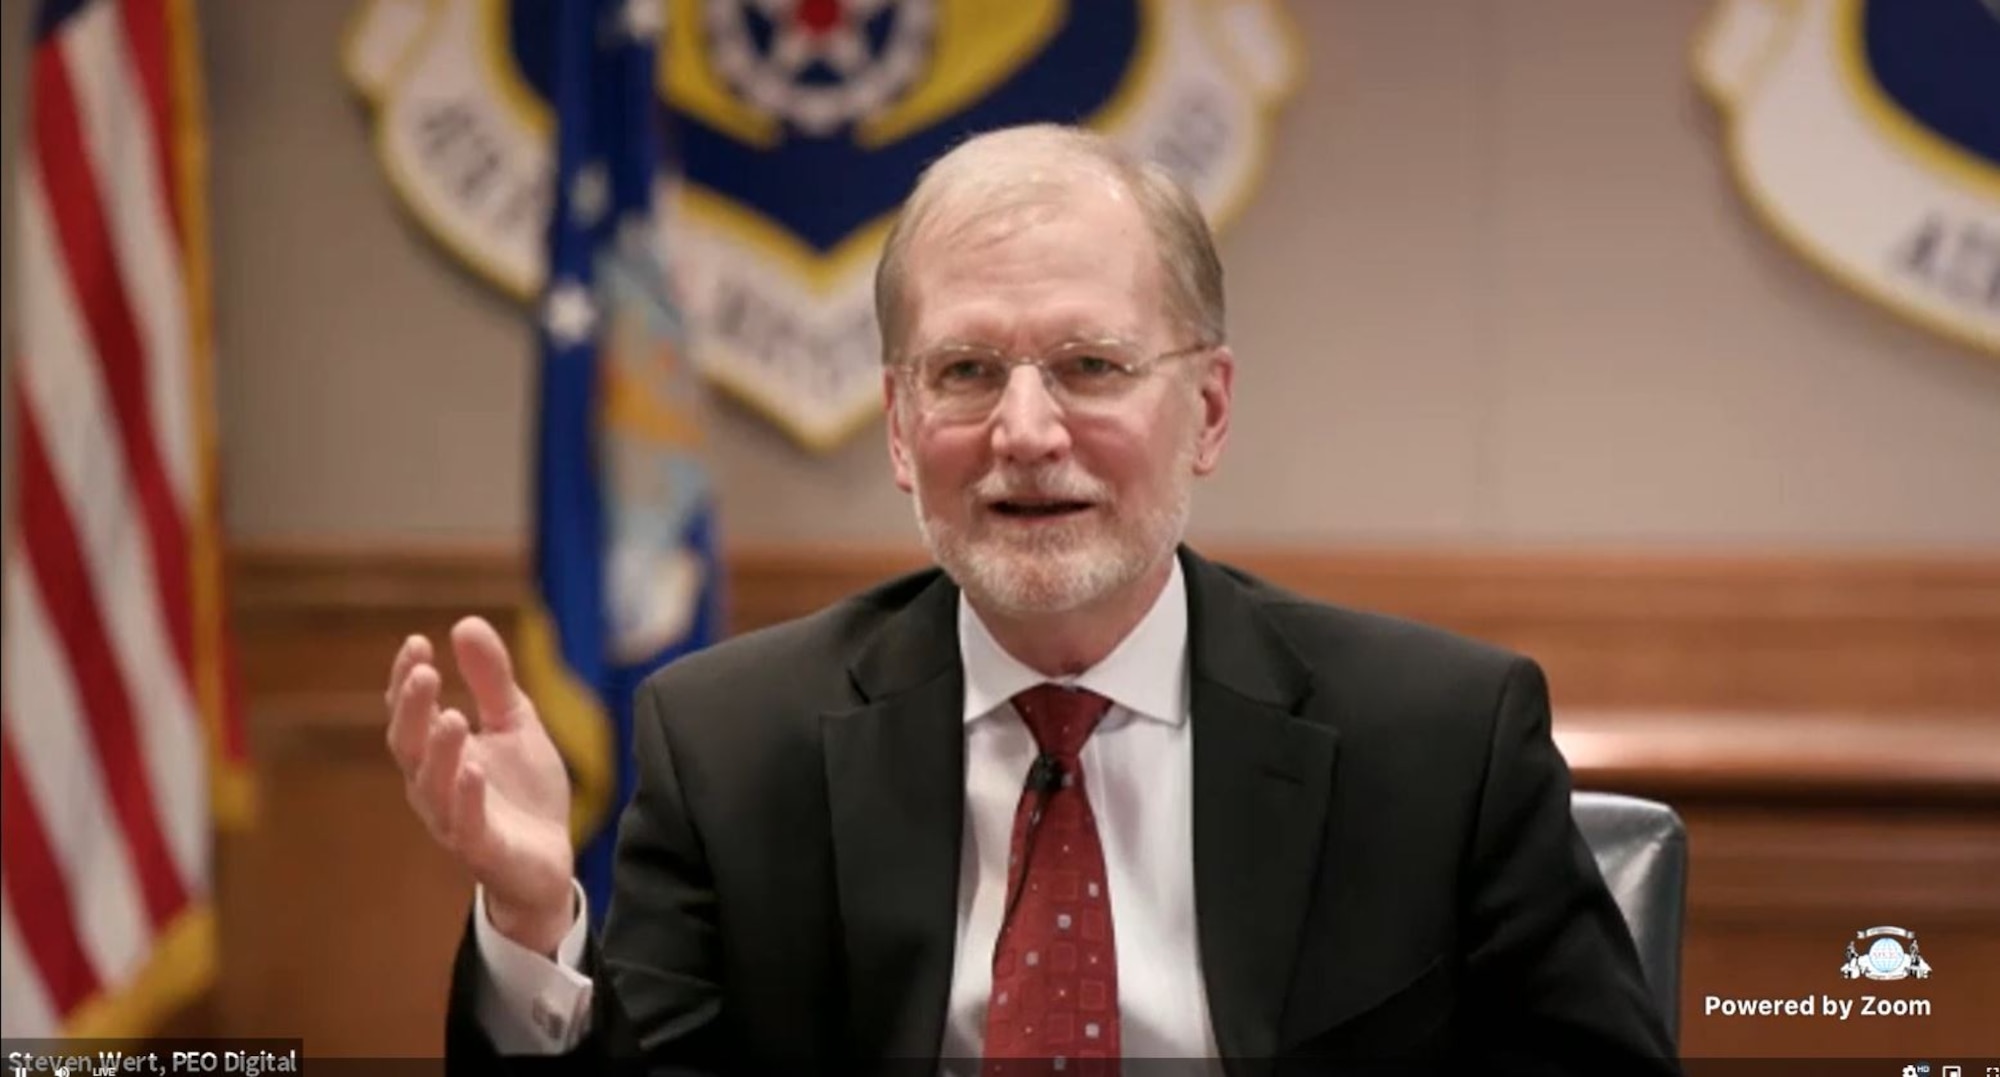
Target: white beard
{"x": 1064, "y": 566}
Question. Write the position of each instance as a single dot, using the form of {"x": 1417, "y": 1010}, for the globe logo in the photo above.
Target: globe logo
{"x": 1886, "y": 957}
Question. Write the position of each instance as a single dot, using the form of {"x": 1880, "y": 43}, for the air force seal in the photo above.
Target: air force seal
{"x": 797, "y": 127}
{"x": 1882, "y": 956}
{"x": 1866, "y": 134}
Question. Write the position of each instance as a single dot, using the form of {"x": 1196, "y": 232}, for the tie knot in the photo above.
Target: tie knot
{"x": 1061, "y": 718}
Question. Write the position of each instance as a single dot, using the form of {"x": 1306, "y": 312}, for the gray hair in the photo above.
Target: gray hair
{"x": 1011, "y": 172}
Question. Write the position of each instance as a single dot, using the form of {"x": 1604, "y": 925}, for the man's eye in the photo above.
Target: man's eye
{"x": 1091, "y": 367}
{"x": 965, "y": 372}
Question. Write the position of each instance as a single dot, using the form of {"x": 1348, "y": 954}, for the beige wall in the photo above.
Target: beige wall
{"x": 1496, "y": 289}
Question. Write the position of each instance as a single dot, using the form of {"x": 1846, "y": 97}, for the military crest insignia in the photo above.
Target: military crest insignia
{"x": 795, "y": 129}
{"x": 1865, "y": 133}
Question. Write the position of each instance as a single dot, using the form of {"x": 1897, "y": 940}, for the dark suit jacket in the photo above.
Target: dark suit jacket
{"x": 1385, "y": 862}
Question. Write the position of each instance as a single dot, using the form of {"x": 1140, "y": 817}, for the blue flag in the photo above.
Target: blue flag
{"x": 626, "y": 574}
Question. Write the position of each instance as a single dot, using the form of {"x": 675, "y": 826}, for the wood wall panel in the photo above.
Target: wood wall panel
{"x": 1781, "y": 632}
{"x": 338, "y": 916}
{"x": 1830, "y": 729}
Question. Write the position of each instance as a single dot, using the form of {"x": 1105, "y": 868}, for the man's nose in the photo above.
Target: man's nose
{"x": 1028, "y": 421}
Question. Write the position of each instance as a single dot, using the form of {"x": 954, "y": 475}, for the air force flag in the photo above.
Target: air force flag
{"x": 626, "y": 574}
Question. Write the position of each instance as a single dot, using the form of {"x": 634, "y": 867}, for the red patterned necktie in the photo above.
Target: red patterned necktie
{"x": 1055, "y": 971}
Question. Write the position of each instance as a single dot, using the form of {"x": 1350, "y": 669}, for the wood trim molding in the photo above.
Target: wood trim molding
{"x": 1806, "y": 758}
{"x": 287, "y": 580}
{"x": 773, "y": 583}
{"x": 1553, "y": 586}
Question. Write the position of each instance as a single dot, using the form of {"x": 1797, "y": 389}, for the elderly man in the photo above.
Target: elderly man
{"x": 1079, "y": 794}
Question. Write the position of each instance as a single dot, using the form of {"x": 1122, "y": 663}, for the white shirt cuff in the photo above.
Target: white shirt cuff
{"x": 527, "y": 1004}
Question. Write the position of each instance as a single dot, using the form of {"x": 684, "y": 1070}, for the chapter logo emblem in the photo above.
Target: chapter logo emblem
{"x": 1879, "y": 954}
{"x": 797, "y": 127}
{"x": 1864, "y": 134}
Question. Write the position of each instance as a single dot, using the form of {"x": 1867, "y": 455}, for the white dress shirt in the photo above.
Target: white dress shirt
{"x": 1138, "y": 774}
{"x": 528, "y": 1004}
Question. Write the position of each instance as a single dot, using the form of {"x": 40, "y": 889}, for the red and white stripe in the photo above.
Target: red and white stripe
{"x": 106, "y": 813}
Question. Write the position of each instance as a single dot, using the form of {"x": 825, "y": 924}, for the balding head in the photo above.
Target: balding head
{"x": 1006, "y": 180}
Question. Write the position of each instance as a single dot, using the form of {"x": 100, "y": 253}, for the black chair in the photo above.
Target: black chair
{"x": 1641, "y": 848}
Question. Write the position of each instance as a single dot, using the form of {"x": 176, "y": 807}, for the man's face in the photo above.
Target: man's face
{"x": 1041, "y": 505}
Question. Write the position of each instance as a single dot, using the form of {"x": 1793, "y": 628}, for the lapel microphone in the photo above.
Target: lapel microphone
{"x": 1044, "y": 778}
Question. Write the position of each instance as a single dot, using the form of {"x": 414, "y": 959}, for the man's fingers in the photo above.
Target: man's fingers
{"x": 489, "y": 672}
{"x": 412, "y": 714}
{"x": 437, "y": 778}
{"x": 415, "y": 649}
{"x": 469, "y": 808}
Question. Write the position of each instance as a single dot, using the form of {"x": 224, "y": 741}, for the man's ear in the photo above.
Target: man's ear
{"x": 1218, "y": 381}
{"x": 899, "y": 456}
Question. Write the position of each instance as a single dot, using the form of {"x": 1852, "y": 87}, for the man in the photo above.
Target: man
{"x": 1081, "y": 794}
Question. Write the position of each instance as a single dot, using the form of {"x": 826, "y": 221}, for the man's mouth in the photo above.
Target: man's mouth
{"x": 1037, "y": 508}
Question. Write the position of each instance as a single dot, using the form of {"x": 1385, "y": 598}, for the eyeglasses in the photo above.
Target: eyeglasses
{"x": 965, "y": 382}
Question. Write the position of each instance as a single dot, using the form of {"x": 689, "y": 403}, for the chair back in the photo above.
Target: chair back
{"x": 1641, "y": 849}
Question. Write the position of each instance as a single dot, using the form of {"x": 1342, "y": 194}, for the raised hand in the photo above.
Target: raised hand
{"x": 495, "y": 795}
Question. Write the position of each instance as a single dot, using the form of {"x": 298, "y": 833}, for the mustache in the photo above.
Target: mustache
{"x": 1060, "y": 483}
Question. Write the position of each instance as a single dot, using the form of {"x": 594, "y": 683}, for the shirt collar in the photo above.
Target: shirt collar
{"x": 1146, "y": 673}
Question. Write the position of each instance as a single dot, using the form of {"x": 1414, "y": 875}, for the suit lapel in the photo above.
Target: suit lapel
{"x": 895, "y": 770}
{"x": 1264, "y": 756}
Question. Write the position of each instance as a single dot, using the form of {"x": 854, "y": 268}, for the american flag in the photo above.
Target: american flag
{"x": 119, "y": 743}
